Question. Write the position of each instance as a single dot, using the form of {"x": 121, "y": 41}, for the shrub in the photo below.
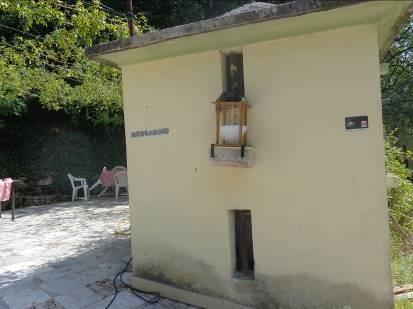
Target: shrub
{"x": 400, "y": 199}
{"x": 400, "y": 202}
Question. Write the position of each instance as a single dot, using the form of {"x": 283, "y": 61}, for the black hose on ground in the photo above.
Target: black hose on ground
{"x": 153, "y": 300}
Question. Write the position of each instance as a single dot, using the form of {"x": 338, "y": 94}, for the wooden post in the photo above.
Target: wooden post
{"x": 218, "y": 109}
{"x": 13, "y": 201}
{"x": 130, "y": 18}
{"x": 224, "y": 116}
{"x": 245, "y": 121}
{"x": 240, "y": 123}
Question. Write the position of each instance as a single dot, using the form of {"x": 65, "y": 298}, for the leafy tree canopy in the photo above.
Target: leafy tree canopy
{"x": 42, "y": 59}
{"x": 50, "y": 68}
{"x": 397, "y": 85}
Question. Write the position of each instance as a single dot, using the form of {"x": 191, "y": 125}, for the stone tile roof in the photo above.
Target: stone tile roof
{"x": 248, "y": 14}
{"x": 250, "y": 7}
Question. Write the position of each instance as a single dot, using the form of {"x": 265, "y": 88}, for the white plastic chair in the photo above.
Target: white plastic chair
{"x": 83, "y": 185}
{"x": 98, "y": 182}
{"x": 121, "y": 181}
{"x": 119, "y": 168}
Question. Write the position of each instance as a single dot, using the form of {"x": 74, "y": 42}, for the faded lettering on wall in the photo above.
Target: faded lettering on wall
{"x": 153, "y": 132}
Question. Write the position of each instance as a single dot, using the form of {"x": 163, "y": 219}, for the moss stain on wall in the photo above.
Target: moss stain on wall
{"x": 181, "y": 271}
{"x": 305, "y": 291}
{"x": 299, "y": 291}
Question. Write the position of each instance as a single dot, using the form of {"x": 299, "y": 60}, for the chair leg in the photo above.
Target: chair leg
{"x": 85, "y": 193}
{"x": 116, "y": 192}
{"x": 73, "y": 195}
{"x": 13, "y": 203}
{"x": 103, "y": 191}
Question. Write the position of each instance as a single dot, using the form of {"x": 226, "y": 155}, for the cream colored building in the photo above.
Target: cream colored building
{"x": 315, "y": 187}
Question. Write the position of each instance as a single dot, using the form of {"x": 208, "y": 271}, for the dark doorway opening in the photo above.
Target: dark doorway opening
{"x": 244, "y": 252}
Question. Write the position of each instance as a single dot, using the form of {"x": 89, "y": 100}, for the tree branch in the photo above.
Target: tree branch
{"x": 407, "y": 238}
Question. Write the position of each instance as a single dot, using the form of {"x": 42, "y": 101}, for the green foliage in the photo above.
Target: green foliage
{"x": 36, "y": 150}
{"x": 400, "y": 199}
{"x": 403, "y": 304}
{"x": 400, "y": 202}
{"x": 402, "y": 269}
{"x": 397, "y": 85}
{"x": 49, "y": 65}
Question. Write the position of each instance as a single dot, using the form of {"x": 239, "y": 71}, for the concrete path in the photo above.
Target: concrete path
{"x": 65, "y": 256}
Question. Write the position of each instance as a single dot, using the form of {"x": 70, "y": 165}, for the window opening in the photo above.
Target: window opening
{"x": 244, "y": 268}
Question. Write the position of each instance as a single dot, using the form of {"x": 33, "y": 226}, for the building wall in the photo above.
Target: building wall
{"x": 317, "y": 192}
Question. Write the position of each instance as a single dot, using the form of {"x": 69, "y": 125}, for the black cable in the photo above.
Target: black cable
{"x": 153, "y": 300}
{"x": 127, "y": 15}
{"x": 22, "y": 32}
{"x": 155, "y": 295}
{"x": 116, "y": 290}
{"x": 108, "y": 8}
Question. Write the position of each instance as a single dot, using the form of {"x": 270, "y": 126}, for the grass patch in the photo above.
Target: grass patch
{"x": 403, "y": 304}
{"x": 402, "y": 268}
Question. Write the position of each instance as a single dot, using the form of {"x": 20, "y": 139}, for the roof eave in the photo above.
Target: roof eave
{"x": 290, "y": 9}
{"x": 395, "y": 30}
{"x": 210, "y": 34}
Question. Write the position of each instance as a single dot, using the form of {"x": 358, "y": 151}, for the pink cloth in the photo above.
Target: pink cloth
{"x": 5, "y": 189}
{"x": 106, "y": 178}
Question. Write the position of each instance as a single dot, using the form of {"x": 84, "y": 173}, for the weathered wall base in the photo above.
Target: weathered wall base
{"x": 184, "y": 296}
{"x": 345, "y": 296}
{"x": 178, "y": 276}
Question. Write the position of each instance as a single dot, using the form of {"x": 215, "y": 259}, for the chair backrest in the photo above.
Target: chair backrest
{"x": 118, "y": 168}
{"x": 71, "y": 177}
{"x": 121, "y": 178}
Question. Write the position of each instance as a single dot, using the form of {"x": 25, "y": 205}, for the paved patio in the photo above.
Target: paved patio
{"x": 65, "y": 256}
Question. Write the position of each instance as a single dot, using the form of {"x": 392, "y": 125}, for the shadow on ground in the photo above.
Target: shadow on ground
{"x": 66, "y": 255}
